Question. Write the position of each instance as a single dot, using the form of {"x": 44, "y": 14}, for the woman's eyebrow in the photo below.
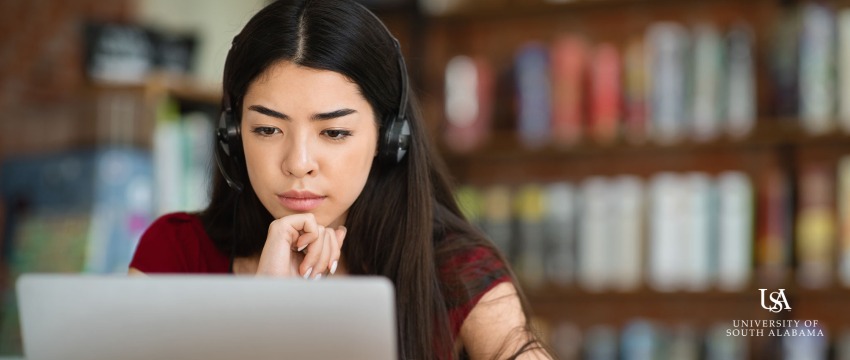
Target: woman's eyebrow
{"x": 332, "y": 115}
{"x": 316, "y": 117}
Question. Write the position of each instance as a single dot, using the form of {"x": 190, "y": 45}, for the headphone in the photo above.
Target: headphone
{"x": 393, "y": 146}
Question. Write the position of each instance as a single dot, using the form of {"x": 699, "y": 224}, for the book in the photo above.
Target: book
{"x": 560, "y": 230}
{"x": 720, "y": 346}
{"x": 198, "y": 144}
{"x": 843, "y": 222}
{"x": 842, "y": 345}
{"x": 469, "y": 199}
{"x": 600, "y": 343}
{"x": 641, "y": 340}
{"x": 697, "y": 231}
{"x": 816, "y": 229}
{"x": 805, "y": 347}
{"x": 533, "y": 92}
{"x": 530, "y": 208}
{"x": 468, "y": 103}
{"x": 784, "y": 63}
{"x": 843, "y": 78}
{"x": 605, "y": 116}
{"x": 774, "y": 232}
{"x": 683, "y": 343}
{"x": 496, "y": 218}
{"x": 668, "y": 46}
{"x": 665, "y": 246}
{"x": 741, "y": 81}
{"x": 817, "y": 69}
{"x": 626, "y": 231}
{"x": 708, "y": 64}
{"x": 594, "y": 248}
{"x": 182, "y": 149}
{"x": 569, "y": 67}
{"x": 735, "y": 243}
{"x": 566, "y": 340}
{"x": 635, "y": 89}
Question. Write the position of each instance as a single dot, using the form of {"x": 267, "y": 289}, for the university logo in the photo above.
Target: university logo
{"x": 780, "y": 302}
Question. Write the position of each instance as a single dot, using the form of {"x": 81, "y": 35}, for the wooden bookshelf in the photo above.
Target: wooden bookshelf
{"x": 494, "y": 30}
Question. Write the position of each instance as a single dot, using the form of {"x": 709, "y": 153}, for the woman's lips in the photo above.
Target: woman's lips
{"x": 301, "y": 201}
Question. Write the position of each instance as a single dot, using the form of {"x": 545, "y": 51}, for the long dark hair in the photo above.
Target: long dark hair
{"x": 405, "y": 223}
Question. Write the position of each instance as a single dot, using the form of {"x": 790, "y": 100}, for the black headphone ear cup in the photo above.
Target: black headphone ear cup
{"x": 230, "y": 136}
{"x": 396, "y": 139}
{"x": 229, "y": 139}
{"x": 221, "y": 133}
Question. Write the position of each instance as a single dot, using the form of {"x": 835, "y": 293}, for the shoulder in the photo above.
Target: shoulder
{"x": 497, "y": 326}
{"x": 177, "y": 242}
{"x": 467, "y": 260}
{"x": 467, "y": 273}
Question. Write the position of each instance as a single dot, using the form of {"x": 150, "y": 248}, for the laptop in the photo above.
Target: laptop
{"x": 205, "y": 317}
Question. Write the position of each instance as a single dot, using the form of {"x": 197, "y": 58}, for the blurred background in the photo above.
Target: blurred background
{"x": 646, "y": 165}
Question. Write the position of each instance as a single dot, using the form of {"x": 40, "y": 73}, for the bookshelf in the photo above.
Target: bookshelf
{"x": 780, "y": 144}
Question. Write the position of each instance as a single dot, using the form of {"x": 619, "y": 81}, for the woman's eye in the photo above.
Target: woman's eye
{"x": 266, "y": 130}
{"x": 337, "y": 134}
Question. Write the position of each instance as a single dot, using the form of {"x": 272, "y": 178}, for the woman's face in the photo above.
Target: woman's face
{"x": 309, "y": 138}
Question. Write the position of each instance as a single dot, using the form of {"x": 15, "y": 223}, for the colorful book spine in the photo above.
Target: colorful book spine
{"x": 720, "y": 346}
{"x": 534, "y": 93}
{"x": 497, "y": 217}
{"x": 626, "y": 231}
{"x": 697, "y": 231}
{"x": 593, "y": 241}
{"x": 784, "y": 61}
{"x": 773, "y": 246}
{"x": 569, "y": 71}
{"x": 600, "y": 343}
{"x": 641, "y": 340}
{"x": 843, "y": 68}
{"x": 530, "y": 212}
{"x": 735, "y": 239}
{"x": 741, "y": 81}
{"x": 198, "y": 148}
{"x": 708, "y": 64}
{"x": 843, "y": 206}
{"x": 606, "y": 69}
{"x": 817, "y": 69}
{"x": 667, "y": 48}
{"x": 816, "y": 230}
{"x": 682, "y": 343}
{"x": 469, "y": 199}
{"x": 666, "y": 232}
{"x": 560, "y": 227}
{"x": 468, "y": 103}
{"x": 805, "y": 347}
{"x": 634, "y": 93}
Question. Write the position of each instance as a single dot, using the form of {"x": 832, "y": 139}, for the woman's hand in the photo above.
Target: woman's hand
{"x": 297, "y": 246}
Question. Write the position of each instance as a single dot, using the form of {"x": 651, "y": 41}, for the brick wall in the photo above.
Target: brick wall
{"x": 42, "y": 83}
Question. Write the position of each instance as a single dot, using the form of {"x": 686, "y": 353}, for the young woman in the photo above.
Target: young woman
{"x": 326, "y": 170}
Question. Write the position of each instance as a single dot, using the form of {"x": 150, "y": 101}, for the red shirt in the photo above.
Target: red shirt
{"x": 178, "y": 243}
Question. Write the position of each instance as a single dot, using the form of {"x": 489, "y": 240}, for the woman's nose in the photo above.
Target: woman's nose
{"x": 300, "y": 161}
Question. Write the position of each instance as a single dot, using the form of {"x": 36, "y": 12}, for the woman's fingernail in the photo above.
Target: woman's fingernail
{"x": 318, "y": 276}
{"x": 307, "y": 274}
{"x": 333, "y": 267}
{"x": 344, "y": 229}
{"x": 302, "y": 247}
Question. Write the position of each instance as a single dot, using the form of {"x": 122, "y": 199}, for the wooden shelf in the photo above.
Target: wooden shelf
{"x": 510, "y": 9}
{"x": 773, "y": 133}
{"x": 701, "y": 309}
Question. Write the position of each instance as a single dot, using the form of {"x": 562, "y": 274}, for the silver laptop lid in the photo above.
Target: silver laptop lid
{"x": 206, "y": 317}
